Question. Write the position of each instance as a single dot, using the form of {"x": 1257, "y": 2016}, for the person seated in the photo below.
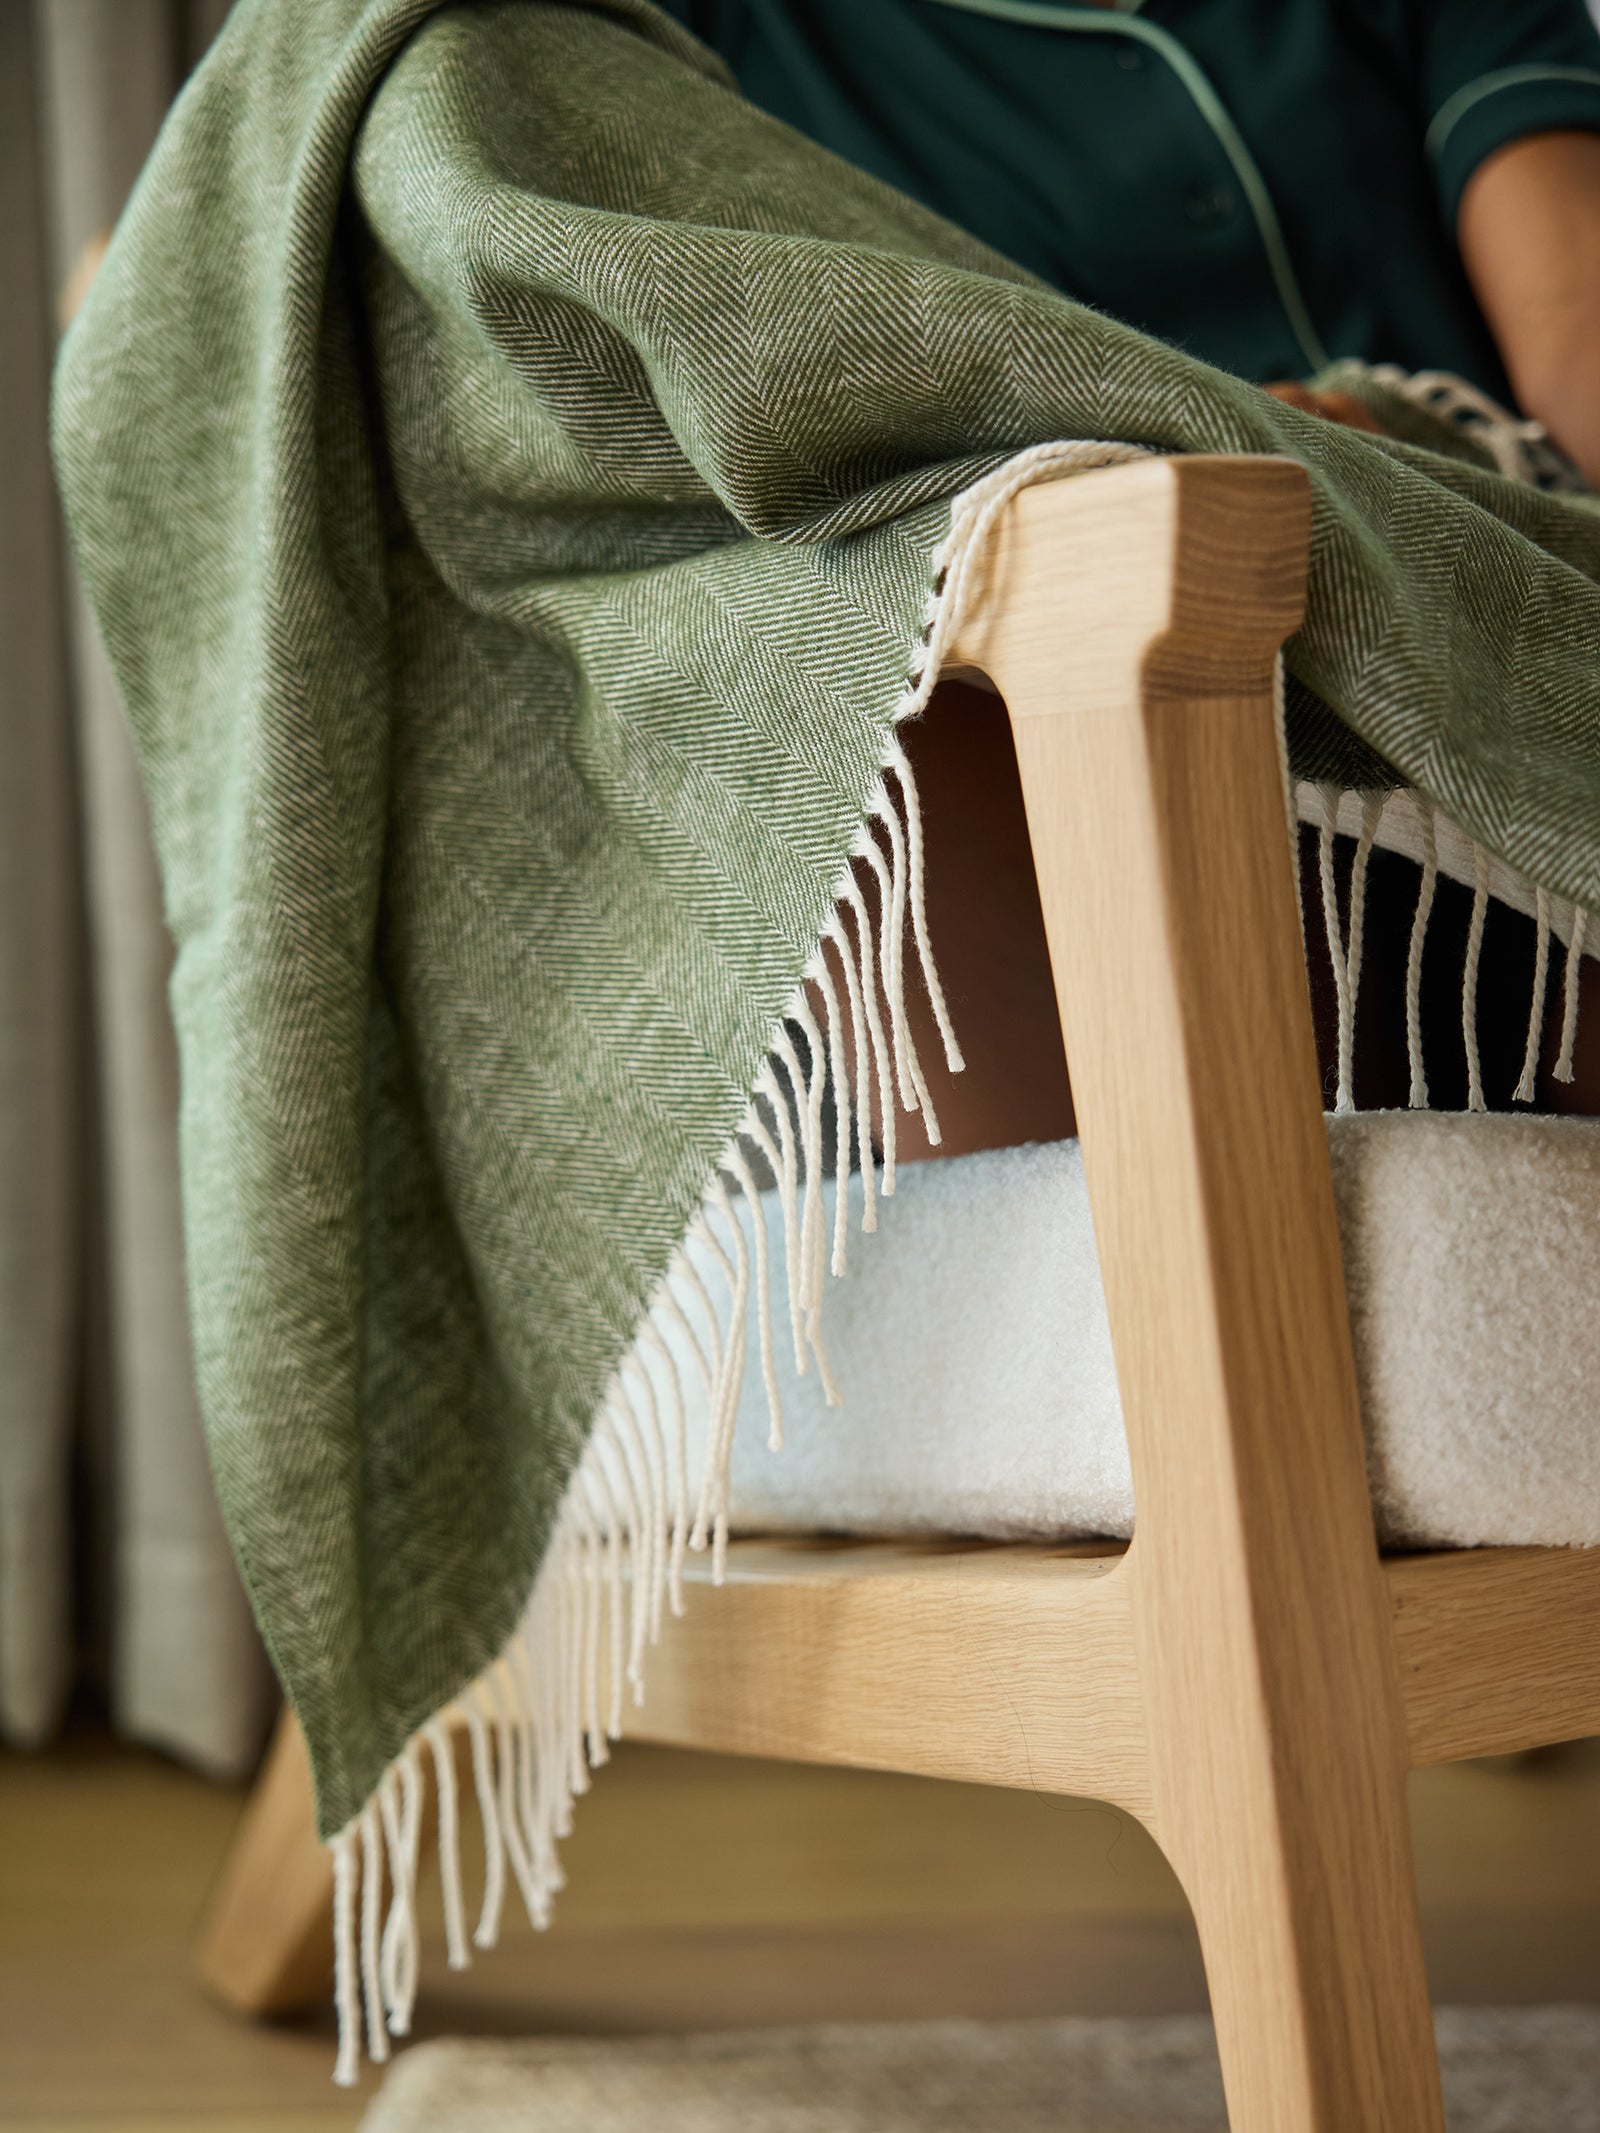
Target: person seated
{"x": 1271, "y": 185}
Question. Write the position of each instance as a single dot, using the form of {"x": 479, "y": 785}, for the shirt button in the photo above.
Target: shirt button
{"x": 1130, "y": 58}
{"x": 1206, "y": 206}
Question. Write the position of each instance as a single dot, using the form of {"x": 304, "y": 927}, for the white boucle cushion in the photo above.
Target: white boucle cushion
{"x": 969, "y": 1341}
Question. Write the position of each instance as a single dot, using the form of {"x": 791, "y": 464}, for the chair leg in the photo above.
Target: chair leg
{"x": 267, "y": 1943}
{"x": 1309, "y": 1928}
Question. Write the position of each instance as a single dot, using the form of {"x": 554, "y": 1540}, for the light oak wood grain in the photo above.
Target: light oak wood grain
{"x": 1498, "y": 1649}
{"x": 997, "y": 1665}
{"x": 1134, "y": 643}
{"x": 264, "y": 1945}
{"x": 877, "y": 1644}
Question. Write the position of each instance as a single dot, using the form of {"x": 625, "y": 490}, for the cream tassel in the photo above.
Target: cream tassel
{"x": 809, "y": 1133}
{"x": 371, "y": 1898}
{"x": 1524, "y": 1091}
{"x": 840, "y": 940}
{"x": 400, "y": 1815}
{"x": 758, "y": 1225}
{"x": 839, "y": 1074}
{"x": 890, "y": 964}
{"x": 881, "y": 1050}
{"x": 899, "y": 885}
{"x": 1569, "y": 1004}
{"x": 487, "y": 1931}
{"x": 444, "y": 1779}
{"x": 666, "y": 1481}
{"x": 1329, "y": 796}
{"x": 900, "y": 765}
{"x": 1469, "y": 977}
{"x": 346, "y": 1964}
{"x": 782, "y": 1164}
{"x": 680, "y": 1459}
{"x": 1418, "y": 1098}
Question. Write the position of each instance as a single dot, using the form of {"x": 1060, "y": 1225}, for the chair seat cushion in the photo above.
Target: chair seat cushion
{"x": 970, "y": 1343}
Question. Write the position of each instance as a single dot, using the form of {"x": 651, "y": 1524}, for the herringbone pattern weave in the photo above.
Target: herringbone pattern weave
{"x": 506, "y": 466}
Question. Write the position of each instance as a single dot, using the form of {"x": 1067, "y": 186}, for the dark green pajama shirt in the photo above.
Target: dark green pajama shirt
{"x": 1268, "y": 184}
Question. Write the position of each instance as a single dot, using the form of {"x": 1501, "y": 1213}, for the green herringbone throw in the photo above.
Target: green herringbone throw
{"x": 507, "y": 466}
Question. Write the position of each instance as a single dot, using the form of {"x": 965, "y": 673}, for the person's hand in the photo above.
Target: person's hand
{"x": 1333, "y": 407}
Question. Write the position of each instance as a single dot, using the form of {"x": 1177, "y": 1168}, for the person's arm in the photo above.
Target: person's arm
{"x": 1529, "y": 231}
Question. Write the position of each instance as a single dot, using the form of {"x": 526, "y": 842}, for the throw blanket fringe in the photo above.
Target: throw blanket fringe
{"x": 1403, "y": 821}
{"x": 1400, "y": 819}
{"x": 542, "y": 1717}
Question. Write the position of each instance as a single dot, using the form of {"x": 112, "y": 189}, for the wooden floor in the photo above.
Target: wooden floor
{"x": 708, "y": 1892}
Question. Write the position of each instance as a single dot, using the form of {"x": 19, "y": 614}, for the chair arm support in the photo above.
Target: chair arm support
{"x": 1131, "y": 619}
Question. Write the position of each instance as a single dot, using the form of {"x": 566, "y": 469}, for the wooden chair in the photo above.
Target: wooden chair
{"x": 1248, "y": 1677}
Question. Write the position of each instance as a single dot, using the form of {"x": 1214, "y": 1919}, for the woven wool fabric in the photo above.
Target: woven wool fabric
{"x": 507, "y": 468}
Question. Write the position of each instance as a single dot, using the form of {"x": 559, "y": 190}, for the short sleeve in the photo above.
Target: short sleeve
{"x": 1494, "y": 71}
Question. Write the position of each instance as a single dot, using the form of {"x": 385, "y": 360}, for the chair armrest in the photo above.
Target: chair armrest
{"x": 1191, "y": 568}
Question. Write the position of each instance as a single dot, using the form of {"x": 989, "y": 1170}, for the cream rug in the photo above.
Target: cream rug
{"x": 1517, "y": 2070}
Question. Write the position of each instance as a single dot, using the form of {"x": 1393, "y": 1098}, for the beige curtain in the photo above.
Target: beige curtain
{"x": 111, "y": 1549}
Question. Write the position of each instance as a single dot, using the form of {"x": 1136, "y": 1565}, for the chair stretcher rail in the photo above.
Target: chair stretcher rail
{"x": 1014, "y": 1665}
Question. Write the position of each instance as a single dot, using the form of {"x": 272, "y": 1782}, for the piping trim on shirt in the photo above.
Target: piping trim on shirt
{"x": 1121, "y": 22}
{"x": 1455, "y": 108}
